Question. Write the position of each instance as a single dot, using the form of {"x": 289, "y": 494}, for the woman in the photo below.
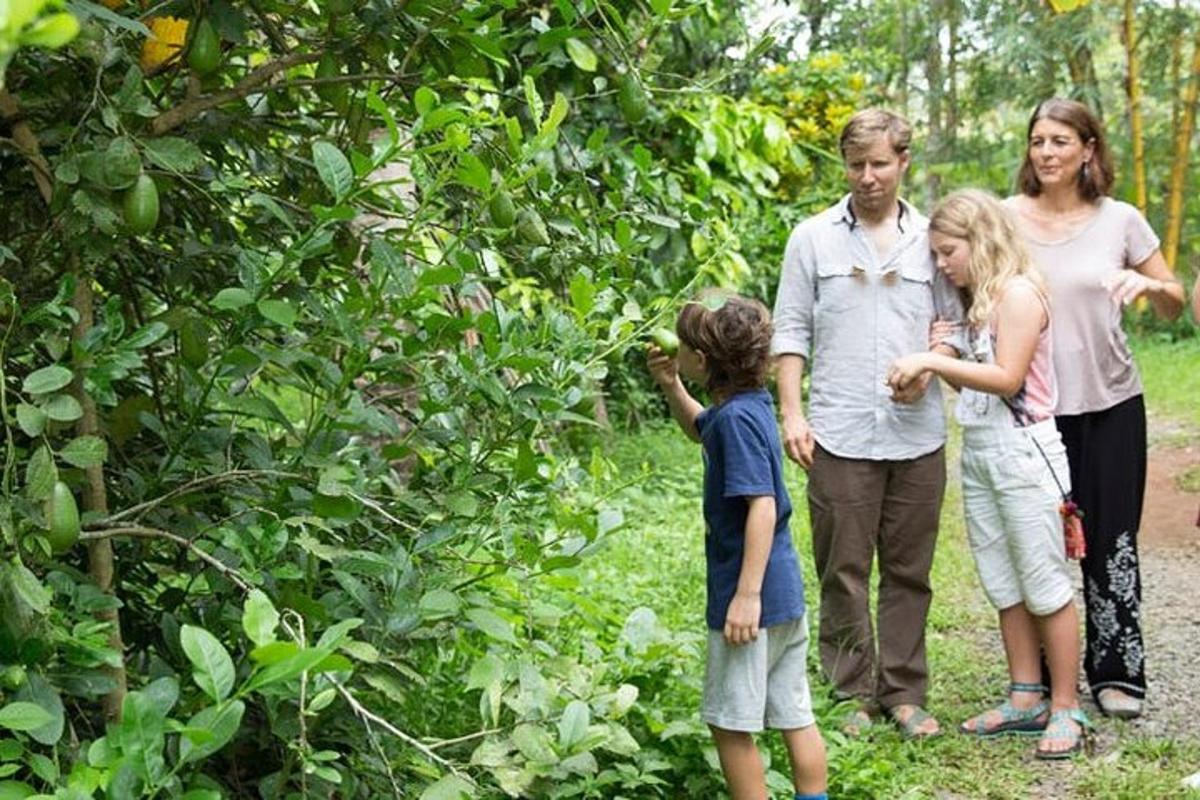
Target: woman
{"x": 1098, "y": 255}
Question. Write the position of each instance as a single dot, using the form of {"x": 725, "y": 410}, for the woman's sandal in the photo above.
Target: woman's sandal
{"x": 1013, "y": 721}
{"x": 1060, "y": 728}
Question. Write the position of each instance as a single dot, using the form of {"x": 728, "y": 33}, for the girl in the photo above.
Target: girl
{"x": 1014, "y": 468}
{"x": 758, "y": 638}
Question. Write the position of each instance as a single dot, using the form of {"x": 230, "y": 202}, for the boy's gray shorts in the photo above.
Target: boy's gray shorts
{"x": 763, "y": 684}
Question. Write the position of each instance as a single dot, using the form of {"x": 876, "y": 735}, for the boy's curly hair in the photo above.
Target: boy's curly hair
{"x": 734, "y": 333}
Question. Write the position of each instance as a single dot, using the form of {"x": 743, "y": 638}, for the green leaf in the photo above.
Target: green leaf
{"x": 259, "y": 618}
{"x": 52, "y": 31}
{"x": 40, "y": 474}
{"x": 85, "y": 451}
{"x": 485, "y": 671}
{"x": 122, "y": 164}
{"x": 146, "y": 335}
{"x": 558, "y": 112}
{"x": 21, "y": 716}
{"x": 583, "y": 56}
{"x": 232, "y": 298}
{"x": 473, "y": 172}
{"x": 141, "y": 737}
{"x": 285, "y": 670}
{"x": 533, "y": 99}
{"x": 573, "y": 725}
{"x": 173, "y": 154}
{"x": 333, "y": 168}
{"x": 492, "y": 624}
{"x": 273, "y": 652}
{"x": 46, "y": 380}
{"x": 38, "y": 691}
{"x": 439, "y": 603}
{"x": 31, "y": 419}
{"x": 214, "y": 668}
{"x": 451, "y": 787}
{"x": 61, "y": 408}
{"x": 218, "y": 723}
{"x": 278, "y": 311}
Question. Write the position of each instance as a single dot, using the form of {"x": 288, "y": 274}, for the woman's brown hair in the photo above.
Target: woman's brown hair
{"x": 734, "y": 333}
{"x": 1096, "y": 178}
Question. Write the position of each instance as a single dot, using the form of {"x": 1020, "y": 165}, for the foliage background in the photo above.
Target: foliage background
{"x": 338, "y": 421}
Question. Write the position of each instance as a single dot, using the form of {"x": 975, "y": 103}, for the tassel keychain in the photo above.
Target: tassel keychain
{"x": 1072, "y": 516}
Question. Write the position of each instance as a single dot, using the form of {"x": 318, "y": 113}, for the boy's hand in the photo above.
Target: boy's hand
{"x": 741, "y": 621}
{"x": 662, "y": 367}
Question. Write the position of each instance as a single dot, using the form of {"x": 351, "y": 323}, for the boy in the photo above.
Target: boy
{"x": 758, "y": 637}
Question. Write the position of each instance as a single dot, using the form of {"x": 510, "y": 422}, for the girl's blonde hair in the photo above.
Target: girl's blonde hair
{"x": 997, "y": 254}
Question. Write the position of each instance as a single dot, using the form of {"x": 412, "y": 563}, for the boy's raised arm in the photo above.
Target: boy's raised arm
{"x": 684, "y": 407}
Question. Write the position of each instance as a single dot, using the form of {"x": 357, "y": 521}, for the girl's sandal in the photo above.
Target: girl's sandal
{"x": 1060, "y": 729}
{"x": 1013, "y": 721}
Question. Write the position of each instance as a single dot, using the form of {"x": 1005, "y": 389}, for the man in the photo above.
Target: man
{"x": 859, "y": 289}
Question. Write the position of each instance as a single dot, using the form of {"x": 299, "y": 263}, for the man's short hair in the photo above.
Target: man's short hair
{"x": 869, "y": 124}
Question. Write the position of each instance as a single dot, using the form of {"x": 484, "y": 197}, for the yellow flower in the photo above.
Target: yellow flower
{"x": 167, "y": 35}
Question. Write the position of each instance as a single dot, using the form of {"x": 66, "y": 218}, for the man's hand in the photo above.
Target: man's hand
{"x": 908, "y": 378}
{"x": 942, "y": 329}
{"x": 913, "y": 391}
{"x": 662, "y": 367}
{"x": 741, "y": 621}
{"x": 798, "y": 439}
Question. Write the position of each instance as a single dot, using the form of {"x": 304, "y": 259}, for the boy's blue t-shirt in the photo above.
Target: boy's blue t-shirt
{"x": 743, "y": 458}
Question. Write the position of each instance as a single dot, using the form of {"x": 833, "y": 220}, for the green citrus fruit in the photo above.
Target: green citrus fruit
{"x": 531, "y": 227}
{"x": 141, "y": 205}
{"x": 12, "y": 676}
{"x": 632, "y": 100}
{"x": 62, "y": 517}
{"x": 193, "y": 342}
{"x": 666, "y": 340}
{"x": 502, "y": 210}
{"x": 204, "y": 54}
{"x": 336, "y": 94}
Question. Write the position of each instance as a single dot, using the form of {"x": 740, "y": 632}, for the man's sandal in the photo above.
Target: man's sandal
{"x": 1013, "y": 721}
{"x": 910, "y": 728}
{"x": 1060, "y": 729}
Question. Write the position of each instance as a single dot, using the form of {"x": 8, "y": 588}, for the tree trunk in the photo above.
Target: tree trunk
{"x": 1179, "y": 163}
{"x": 904, "y": 64}
{"x": 95, "y": 497}
{"x": 1086, "y": 86}
{"x": 1176, "y": 64}
{"x": 1133, "y": 91}
{"x": 950, "y": 129}
{"x": 933, "y": 103}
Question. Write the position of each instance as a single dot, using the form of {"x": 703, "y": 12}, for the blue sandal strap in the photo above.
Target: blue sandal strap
{"x": 1026, "y": 687}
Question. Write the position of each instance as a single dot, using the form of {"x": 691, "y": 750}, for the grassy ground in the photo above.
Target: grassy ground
{"x": 658, "y": 562}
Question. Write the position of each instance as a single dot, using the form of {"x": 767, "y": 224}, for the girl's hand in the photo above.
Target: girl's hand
{"x": 941, "y": 330}
{"x": 905, "y": 370}
{"x": 741, "y": 621}
{"x": 1128, "y": 285}
{"x": 662, "y": 367}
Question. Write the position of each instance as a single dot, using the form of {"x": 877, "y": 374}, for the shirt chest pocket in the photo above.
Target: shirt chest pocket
{"x": 915, "y": 283}
{"x": 841, "y": 287}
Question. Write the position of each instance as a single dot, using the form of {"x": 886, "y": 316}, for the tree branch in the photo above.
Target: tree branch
{"x": 190, "y": 109}
{"x": 143, "y": 532}
{"x": 187, "y": 488}
{"x": 27, "y": 144}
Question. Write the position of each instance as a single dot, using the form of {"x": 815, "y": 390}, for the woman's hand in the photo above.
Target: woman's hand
{"x": 1128, "y": 285}
{"x": 662, "y": 367}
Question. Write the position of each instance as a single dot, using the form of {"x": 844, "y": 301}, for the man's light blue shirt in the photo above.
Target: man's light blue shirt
{"x": 850, "y": 314}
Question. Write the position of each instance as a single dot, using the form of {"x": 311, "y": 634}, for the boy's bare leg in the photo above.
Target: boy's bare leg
{"x": 741, "y": 763}
{"x": 806, "y": 750}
